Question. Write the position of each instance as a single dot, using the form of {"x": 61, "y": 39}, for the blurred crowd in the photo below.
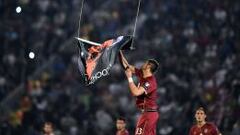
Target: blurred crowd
{"x": 196, "y": 42}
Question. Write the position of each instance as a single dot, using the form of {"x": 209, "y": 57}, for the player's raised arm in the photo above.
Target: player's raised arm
{"x": 125, "y": 63}
{"x": 135, "y": 90}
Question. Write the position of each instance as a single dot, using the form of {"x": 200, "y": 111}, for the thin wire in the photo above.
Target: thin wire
{"x": 80, "y": 17}
{"x": 136, "y": 20}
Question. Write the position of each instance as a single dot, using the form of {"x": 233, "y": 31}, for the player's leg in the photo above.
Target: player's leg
{"x": 151, "y": 123}
{"x": 147, "y": 124}
{"x": 140, "y": 125}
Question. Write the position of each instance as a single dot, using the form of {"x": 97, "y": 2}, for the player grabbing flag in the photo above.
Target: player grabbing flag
{"x": 145, "y": 93}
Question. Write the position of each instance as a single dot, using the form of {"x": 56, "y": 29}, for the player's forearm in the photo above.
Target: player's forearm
{"x": 124, "y": 61}
{"x": 134, "y": 89}
{"x": 125, "y": 64}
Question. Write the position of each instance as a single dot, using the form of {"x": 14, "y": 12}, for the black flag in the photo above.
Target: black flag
{"x": 96, "y": 60}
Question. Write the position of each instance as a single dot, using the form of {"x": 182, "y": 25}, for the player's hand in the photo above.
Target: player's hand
{"x": 128, "y": 73}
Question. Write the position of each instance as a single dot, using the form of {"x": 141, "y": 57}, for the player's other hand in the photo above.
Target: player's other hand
{"x": 128, "y": 72}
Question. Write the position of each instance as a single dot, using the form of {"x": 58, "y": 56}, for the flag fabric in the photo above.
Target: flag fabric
{"x": 96, "y": 61}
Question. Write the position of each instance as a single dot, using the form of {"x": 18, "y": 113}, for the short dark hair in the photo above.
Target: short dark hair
{"x": 154, "y": 65}
{"x": 48, "y": 123}
{"x": 200, "y": 109}
{"x": 121, "y": 118}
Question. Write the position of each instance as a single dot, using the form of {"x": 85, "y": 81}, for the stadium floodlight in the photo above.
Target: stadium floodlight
{"x": 31, "y": 55}
{"x": 18, "y": 9}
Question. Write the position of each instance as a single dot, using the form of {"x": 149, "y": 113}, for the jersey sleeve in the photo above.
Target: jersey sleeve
{"x": 149, "y": 86}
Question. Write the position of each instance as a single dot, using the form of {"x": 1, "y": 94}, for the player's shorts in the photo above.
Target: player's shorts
{"x": 147, "y": 123}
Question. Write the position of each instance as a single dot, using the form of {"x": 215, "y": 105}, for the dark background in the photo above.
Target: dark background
{"x": 196, "y": 42}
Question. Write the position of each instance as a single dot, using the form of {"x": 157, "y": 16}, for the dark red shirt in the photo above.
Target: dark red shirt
{"x": 206, "y": 129}
{"x": 148, "y": 100}
{"x": 124, "y": 132}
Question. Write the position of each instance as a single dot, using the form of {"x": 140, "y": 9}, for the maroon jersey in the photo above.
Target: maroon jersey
{"x": 124, "y": 132}
{"x": 147, "y": 100}
{"x": 206, "y": 129}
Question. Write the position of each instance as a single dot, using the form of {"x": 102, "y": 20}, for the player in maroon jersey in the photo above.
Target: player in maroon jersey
{"x": 146, "y": 94}
{"x": 121, "y": 126}
{"x": 202, "y": 127}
